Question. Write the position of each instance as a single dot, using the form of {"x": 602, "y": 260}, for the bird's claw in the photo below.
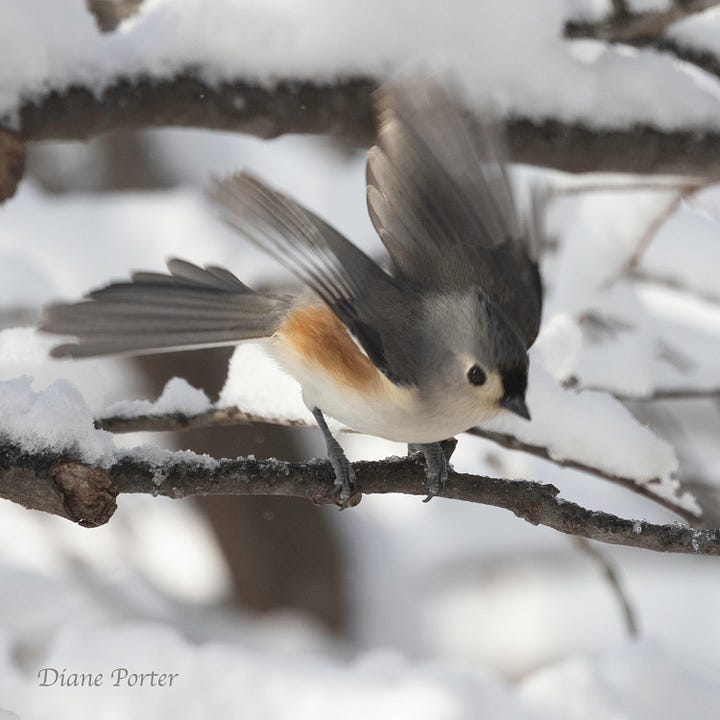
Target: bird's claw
{"x": 436, "y": 468}
{"x": 435, "y": 481}
{"x": 344, "y": 475}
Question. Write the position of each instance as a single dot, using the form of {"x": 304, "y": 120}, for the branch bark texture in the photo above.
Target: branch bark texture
{"x": 57, "y": 483}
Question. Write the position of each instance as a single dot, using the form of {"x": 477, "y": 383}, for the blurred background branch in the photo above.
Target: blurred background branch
{"x": 637, "y": 28}
{"x": 343, "y": 110}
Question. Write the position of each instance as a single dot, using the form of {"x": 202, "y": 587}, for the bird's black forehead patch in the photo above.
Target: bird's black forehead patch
{"x": 514, "y": 381}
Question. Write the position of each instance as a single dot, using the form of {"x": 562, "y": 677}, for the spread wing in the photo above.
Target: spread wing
{"x": 441, "y": 201}
{"x": 376, "y": 309}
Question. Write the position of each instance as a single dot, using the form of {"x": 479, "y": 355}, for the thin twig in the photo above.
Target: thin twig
{"x": 651, "y": 231}
{"x": 678, "y": 393}
{"x": 610, "y": 574}
{"x": 681, "y": 184}
{"x": 642, "y": 275}
{"x": 217, "y": 417}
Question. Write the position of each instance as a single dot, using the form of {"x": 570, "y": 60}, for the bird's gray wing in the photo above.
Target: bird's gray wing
{"x": 441, "y": 201}
{"x": 374, "y": 307}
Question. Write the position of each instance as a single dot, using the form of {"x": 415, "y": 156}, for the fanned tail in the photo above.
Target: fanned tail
{"x": 189, "y": 308}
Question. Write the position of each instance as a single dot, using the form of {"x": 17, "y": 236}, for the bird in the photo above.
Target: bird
{"x": 415, "y": 349}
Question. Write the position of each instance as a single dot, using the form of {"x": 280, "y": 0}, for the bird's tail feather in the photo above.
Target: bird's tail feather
{"x": 189, "y": 308}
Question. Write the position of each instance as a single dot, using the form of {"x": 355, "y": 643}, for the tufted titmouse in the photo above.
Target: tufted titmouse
{"x": 415, "y": 355}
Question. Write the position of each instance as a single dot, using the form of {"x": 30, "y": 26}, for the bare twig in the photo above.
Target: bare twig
{"x": 658, "y": 184}
{"x": 642, "y": 275}
{"x": 637, "y": 28}
{"x": 677, "y": 393}
{"x": 612, "y": 577}
{"x": 217, "y": 417}
{"x": 651, "y": 231}
{"x": 654, "y": 227}
{"x": 233, "y": 416}
{"x": 57, "y": 483}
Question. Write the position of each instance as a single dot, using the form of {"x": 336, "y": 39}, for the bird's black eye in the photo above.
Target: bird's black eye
{"x": 476, "y": 375}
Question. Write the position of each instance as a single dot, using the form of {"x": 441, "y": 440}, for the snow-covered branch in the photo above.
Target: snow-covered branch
{"x": 58, "y": 484}
{"x": 342, "y": 109}
{"x": 640, "y": 28}
{"x": 652, "y": 29}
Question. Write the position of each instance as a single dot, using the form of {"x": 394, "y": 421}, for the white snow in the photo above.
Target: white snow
{"x": 699, "y": 31}
{"x": 56, "y": 418}
{"x": 686, "y": 252}
{"x": 594, "y": 429}
{"x": 642, "y": 681}
{"x": 256, "y": 384}
{"x": 178, "y": 396}
{"x": 635, "y": 681}
{"x": 458, "y": 611}
{"x": 599, "y": 239}
{"x": 256, "y": 684}
{"x": 511, "y": 54}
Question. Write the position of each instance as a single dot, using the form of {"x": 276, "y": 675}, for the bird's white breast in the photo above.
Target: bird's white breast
{"x": 352, "y": 390}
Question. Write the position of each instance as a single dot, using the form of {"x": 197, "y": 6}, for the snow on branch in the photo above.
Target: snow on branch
{"x": 641, "y": 28}
{"x": 662, "y": 30}
{"x": 57, "y": 483}
{"x": 342, "y": 109}
{"x": 164, "y": 68}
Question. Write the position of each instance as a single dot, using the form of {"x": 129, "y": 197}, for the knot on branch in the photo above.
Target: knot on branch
{"x": 88, "y": 493}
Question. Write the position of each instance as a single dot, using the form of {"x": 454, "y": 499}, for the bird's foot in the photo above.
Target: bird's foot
{"x": 436, "y": 467}
{"x": 344, "y": 472}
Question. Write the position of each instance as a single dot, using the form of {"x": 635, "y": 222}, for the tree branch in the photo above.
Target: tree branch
{"x": 57, "y": 483}
{"x": 233, "y": 416}
{"x": 343, "y": 109}
{"x": 624, "y": 26}
{"x": 612, "y": 577}
{"x": 647, "y": 30}
{"x": 665, "y": 393}
{"x": 644, "y": 276}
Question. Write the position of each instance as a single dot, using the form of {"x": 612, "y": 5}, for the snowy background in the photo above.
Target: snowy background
{"x": 455, "y": 611}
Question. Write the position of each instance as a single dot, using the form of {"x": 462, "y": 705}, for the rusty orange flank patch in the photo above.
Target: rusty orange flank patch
{"x": 322, "y": 340}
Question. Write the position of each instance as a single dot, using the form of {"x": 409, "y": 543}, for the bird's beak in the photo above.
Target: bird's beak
{"x": 516, "y": 404}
